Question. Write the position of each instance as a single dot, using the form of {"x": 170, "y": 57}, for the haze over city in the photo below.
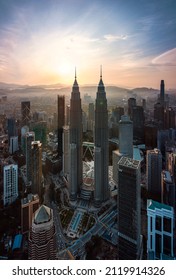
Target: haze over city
{"x": 43, "y": 41}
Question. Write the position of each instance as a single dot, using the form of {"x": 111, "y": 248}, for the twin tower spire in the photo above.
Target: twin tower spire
{"x": 101, "y": 192}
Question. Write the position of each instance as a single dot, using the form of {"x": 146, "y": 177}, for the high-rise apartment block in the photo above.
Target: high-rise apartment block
{"x": 10, "y": 183}
{"x": 129, "y": 209}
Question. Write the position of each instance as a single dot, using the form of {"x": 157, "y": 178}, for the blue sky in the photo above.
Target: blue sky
{"x": 43, "y": 40}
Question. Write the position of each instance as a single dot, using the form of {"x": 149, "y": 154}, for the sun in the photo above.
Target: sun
{"x": 65, "y": 68}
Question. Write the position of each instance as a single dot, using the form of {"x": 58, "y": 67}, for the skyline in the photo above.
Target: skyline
{"x": 42, "y": 42}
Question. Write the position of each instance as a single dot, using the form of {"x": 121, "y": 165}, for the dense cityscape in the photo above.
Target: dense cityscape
{"x": 87, "y": 180}
{"x": 88, "y": 131}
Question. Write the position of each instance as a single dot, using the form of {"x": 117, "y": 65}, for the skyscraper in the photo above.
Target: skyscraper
{"x": 76, "y": 169}
{"x": 10, "y": 183}
{"x": 29, "y": 137}
{"x": 162, "y": 92}
{"x": 61, "y": 122}
{"x": 126, "y": 136}
{"x": 129, "y": 209}
{"x": 28, "y": 206}
{"x": 36, "y": 158}
{"x": 42, "y": 238}
{"x": 25, "y": 112}
{"x": 101, "y": 153}
{"x": 153, "y": 169}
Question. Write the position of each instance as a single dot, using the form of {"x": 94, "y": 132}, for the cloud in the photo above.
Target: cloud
{"x": 166, "y": 59}
{"x": 113, "y": 38}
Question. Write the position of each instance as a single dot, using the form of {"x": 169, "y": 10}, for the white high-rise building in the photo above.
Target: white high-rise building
{"x": 160, "y": 242}
{"x": 10, "y": 183}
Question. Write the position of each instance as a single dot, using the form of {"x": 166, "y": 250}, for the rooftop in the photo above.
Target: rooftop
{"x": 152, "y": 204}
{"x": 42, "y": 215}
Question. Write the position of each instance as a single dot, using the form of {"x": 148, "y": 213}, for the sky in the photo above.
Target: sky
{"x": 42, "y": 41}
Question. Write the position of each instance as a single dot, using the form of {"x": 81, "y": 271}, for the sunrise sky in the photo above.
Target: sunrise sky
{"x": 41, "y": 42}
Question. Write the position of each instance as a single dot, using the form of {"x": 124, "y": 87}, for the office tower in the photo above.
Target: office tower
{"x": 42, "y": 238}
{"x": 160, "y": 242}
{"x": 36, "y": 159}
{"x": 138, "y": 119}
{"x": 66, "y": 141}
{"x": 162, "y": 92}
{"x": 91, "y": 116}
{"x": 25, "y": 112}
{"x": 13, "y": 144}
{"x": 68, "y": 114}
{"x": 153, "y": 170}
{"x": 129, "y": 209}
{"x": 131, "y": 103}
{"x": 169, "y": 118}
{"x": 159, "y": 114}
{"x": 117, "y": 113}
{"x": 126, "y": 136}
{"x": 40, "y": 129}
{"x": 28, "y": 206}
{"x": 24, "y": 130}
{"x": 10, "y": 183}
{"x": 84, "y": 121}
{"x": 116, "y": 116}
{"x": 76, "y": 169}
{"x": 101, "y": 152}
{"x": 115, "y": 159}
{"x": 30, "y": 137}
{"x": 150, "y": 135}
{"x": 11, "y": 127}
{"x": 91, "y": 112}
{"x": 61, "y": 122}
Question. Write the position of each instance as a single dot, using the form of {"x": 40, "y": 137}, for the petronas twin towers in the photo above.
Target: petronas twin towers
{"x": 101, "y": 152}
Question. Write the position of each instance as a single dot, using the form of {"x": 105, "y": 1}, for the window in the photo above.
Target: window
{"x": 158, "y": 223}
{"x": 167, "y": 224}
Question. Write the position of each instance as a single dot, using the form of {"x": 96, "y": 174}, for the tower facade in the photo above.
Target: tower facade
{"x": 25, "y": 112}
{"x": 160, "y": 241}
{"x": 126, "y": 136}
{"x": 154, "y": 168}
{"x": 162, "y": 92}
{"x": 42, "y": 238}
{"x": 29, "y": 138}
{"x": 10, "y": 183}
{"x": 76, "y": 169}
{"x": 28, "y": 206}
{"x": 129, "y": 209}
{"x": 101, "y": 152}
{"x": 61, "y": 122}
{"x": 36, "y": 157}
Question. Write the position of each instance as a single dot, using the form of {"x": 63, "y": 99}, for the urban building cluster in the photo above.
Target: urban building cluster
{"x": 92, "y": 184}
